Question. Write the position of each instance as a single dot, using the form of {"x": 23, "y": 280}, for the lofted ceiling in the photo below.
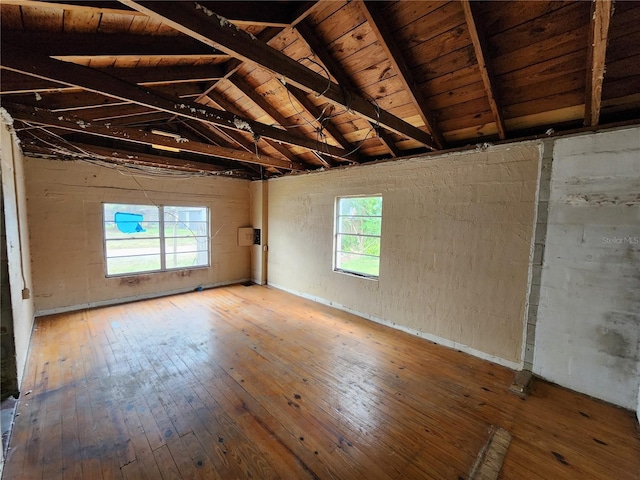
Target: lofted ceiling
{"x": 257, "y": 89}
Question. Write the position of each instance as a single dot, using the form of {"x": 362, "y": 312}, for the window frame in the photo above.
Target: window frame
{"x": 162, "y": 238}
{"x": 336, "y": 233}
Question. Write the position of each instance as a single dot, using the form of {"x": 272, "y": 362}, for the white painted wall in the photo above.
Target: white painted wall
{"x": 588, "y": 325}
{"x": 456, "y": 244}
{"x": 65, "y": 218}
{"x": 17, "y": 232}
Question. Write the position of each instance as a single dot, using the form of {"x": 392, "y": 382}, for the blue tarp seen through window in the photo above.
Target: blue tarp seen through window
{"x": 129, "y": 222}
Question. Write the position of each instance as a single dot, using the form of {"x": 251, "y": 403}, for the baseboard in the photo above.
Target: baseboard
{"x": 135, "y": 298}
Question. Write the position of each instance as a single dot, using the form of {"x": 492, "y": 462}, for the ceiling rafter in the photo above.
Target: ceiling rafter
{"x": 480, "y": 49}
{"x": 334, "y": 70}
{"x": 601, "y": 11}
{"x": 230, "y": 107}
{"x": 204, "y": 25}
{"x": 378, "y": 24}
{"x": 41, "y": 66}
{"x": 319, "y": 116}
{"x": 126, "y": 134}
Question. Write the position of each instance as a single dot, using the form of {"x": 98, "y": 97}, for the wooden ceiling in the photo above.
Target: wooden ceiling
{"x": 256, "y": 89}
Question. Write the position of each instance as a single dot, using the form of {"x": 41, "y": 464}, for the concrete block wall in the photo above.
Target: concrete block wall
{"x": 588, "y": 321}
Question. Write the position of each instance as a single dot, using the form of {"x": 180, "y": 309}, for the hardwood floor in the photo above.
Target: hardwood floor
{"x": 250, "y": 382}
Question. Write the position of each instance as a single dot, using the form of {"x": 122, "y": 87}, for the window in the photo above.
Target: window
{"x": 150, "y": 238}
{"x": 357, "y": 235}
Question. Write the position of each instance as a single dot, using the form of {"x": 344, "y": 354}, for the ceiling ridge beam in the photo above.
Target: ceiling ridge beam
{"x": 479, "y": 46}
{"x": 601, "y": 11}
{"x": 203, "y": 24}
{"x": 41, "y": 66}
{"x": 45, "y": 117}
{"x": 378, "y": 24}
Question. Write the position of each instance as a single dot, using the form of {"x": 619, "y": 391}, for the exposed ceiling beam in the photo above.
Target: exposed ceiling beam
{"x": 71, "y": 44}
{"x": 164, "y": 75}
{"x": 41, "y": 66}
{"x": 204, "y": 25}
{"x": 321, "y": 117}
{"x": 378, "y": 24}
{"x": 230, "y": 107}
{"x": 50, "y": 119}
{"x": 480, "y": 49}
{"x": 337, "y": 72}
{"x": 601, "y": 11}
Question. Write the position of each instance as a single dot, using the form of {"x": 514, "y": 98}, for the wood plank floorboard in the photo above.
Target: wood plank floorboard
{"x": 251, "y": 382}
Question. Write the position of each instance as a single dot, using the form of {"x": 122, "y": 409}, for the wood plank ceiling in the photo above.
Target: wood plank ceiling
{"x": 257, "y": 89}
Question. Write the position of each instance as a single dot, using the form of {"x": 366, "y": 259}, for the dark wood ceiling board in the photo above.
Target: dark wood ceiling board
{"x": 342, "y": 21}
{"x": 324, "y": 10}
{"x": 459, "y": 110}
{"x": 518, "y": 92}
{"x": 110, "y": 112}
{"x": 42, "y": 18}
{"x": 572, "y": 16}
{"x": 458, "y": 95}
{"x": 11, "y": 16}
{"x": 619, "y": 89}
{"x": 513, "y": 14}
{"x": 529, "y": 55}
{"x": 479, "y": 42}
{"x": 469, "y": 121}
{"x": 552, "y": 102}
{"x": 625, "y": 68}
{"x": 79, "y": 21}
{"x": 351, "y": 42}
{"x": 563, "y": 118}
{"x": 623, "y": 47}
{"x": 448, "y": 17}
{"x": 545, "y": 71}
{"x": 627, "y": 104}
{"x": 449, "y": 63}
{"x": 401, "y": 14}
{"x": 99, "y": 6}
{"x": 478, "y": 133}
{"x": 626, "y": 16}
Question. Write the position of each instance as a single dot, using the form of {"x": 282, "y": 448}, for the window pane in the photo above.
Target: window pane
{"x": 185, "y": 221}
{"x": 133, "y": 264}
{"x": 359, "y": 245}
{"x": 185, "y": 244}
{"x": 133, "y": 247}
{"x": 358, "y": 263}
{"x": 369, "y": 206}
{"x": 360, "y": 225}
{"x": 130, "y": 221}
{"x": 187, "y": 259}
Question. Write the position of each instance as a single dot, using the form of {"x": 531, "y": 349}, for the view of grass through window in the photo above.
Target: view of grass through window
{"x": 358, "y": 229}
{"x": 148, "y": 238}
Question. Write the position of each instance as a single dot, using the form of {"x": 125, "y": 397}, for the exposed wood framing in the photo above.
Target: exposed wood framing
{"x": 601, "y": 11}
{"x": 230, "y": 107}
{"x": 44, "y": 67}
{"x": 378, "y": 24}
{"x": 204, "y": 25}
{"x": 479, "y": 47}
{"x": 336, "y": 72}
{"x": 50, "y": 119}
